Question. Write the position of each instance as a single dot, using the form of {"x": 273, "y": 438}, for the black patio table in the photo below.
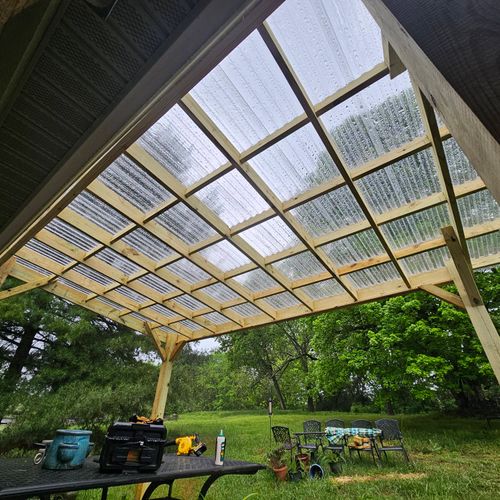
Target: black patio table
{"x": 20, "y": 478}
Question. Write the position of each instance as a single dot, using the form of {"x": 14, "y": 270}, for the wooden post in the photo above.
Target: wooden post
{"x": 461, "y": 273}
{"x": 5, "y": 270}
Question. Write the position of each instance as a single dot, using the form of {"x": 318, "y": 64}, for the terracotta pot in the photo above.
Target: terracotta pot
{"x": 281, "y": 473}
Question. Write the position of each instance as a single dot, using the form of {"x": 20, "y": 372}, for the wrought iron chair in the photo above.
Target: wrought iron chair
{"x": 336, "y": 447}
{"x": 391, "y": 432}
{"x": 369, "y": 447}
{"x": 283, "y": 439}
{"x": 311, "y": 442}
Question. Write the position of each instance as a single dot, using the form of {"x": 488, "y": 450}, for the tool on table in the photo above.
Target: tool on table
{"x": 188, "y": 445}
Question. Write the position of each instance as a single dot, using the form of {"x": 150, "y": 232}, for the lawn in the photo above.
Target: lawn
{"x": 453, "y": 458}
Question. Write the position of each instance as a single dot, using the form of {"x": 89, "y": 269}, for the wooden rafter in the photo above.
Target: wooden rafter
{"x": 11, "y": 292}
{"x": 5, "y": 270}
{"x": 442, "y": 294}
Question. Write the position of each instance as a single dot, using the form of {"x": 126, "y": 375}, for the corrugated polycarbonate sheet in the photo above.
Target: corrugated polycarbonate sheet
{"x": 185, "y": 224}
{"x": 98, "y": 212}
{"x": 191, "y": 325}
{"x": 426, "y": 261}
{"x": 220, "y": 292}
{"x": 246, "y": 310}
{"x": 416, "y": 228}
{"x": 131, "y": 294}
{"x": 461, "y": 170}
{"x": 117, "y": 261}
{"x": 246, "y": 95}
{"x": 379, "y": 119}
{"x": 478, "y": 208}
{"x": 125, "y": 178}
{"x": 328, "y": 42}
{"x": 109, "y": 302}
{"x": 300, "y": 266}
{"x": 33, "y": 267}
{"x": 49, "y": 252}
{"x": 225, "y": 256}
{"x": 373, "y": 276}
{"x": 188, "y": 271}
{"x": 323, "y": 289}
{"x": 140, "y": 317}
{"x": 181, "y": 147}
{"x": 329, "y": 212}
{"x": 144, "y": 242}
{"x": 216, "y": 318}
{"x": 270, "y": 237}
{"x": 256, "y": 280}
{"x": 359, "y": 246}
{"x": 156, "y": 283}
{"x": 282, "y": 300}
{"x": 295, "y": 164}
{"x": 482, "y": 246}
{"x": 232, "y": 198}
{"x": 92, "y": 274}
{"x": 158, "y": 308}
{"x": 401, "y": 183}
{"x": 189, "y": 302}
{"x": 72, "y": 235}
{"x": 73, "y": 285}
{"x": 166, "y": 329}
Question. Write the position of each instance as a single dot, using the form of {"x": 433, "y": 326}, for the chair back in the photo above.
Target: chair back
{"x": 312, "y": 426}
{"x": 281, "y": 435}
{"x": 335, "y": 422}
{"x": 389, "y": 427}
{"x": 362, "y": 424}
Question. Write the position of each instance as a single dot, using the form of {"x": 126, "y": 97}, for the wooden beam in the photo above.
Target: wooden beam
{"x": 442, "y": 294}
{"x": 5, "y": 270}
{"x": 391, "y": 59}
{"x": 461, "y": 272}
{"x": 11, "y": 292}
{"x": 442, "y": 55}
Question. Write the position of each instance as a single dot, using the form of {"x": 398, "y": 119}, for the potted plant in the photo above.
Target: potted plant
{"x": 335, "y": 463}
{"x": 275, "y": 458}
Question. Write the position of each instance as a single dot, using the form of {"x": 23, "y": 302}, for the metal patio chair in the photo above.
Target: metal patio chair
{"x": 370, "y": 447}
{"x": 390, "y": 432}
{"x": 283, "y": 439}
{"x": 336, "y": 447}
{"x": 311, "y": 442}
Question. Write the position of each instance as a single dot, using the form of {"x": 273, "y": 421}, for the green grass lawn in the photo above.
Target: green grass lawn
{"x": 453, "y": 458}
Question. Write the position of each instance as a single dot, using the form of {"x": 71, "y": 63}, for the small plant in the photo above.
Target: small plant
{"x": 275, "y": 458}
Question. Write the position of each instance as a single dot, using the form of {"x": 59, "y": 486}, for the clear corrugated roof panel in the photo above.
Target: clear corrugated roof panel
{"x": 93, "y": 275}
{"x": 246, "y": 310}
{"x": 109, "y": 302}
{"x": 163, "y": 311}
{"x": 188, "y": 271}
{"x": 117, "y": 261}
{"x": 131, "y": 294}
{"x": 140, "y": 317}
{"x": 124, "y": 177}
{"x": 246, "y": 95}
{"x": 75, "y": 286}
{"x": 144, "y": 242}
{"x": 225, "y": 256}
{"x": 401, "y": 183}
{"x": 216, "y": 318}
{"x": 189, "y": 302}
{"x": 478, "y": 208}
{"x": 295, "y": 164}
{"x": 282, "y": 300}
{"x": 328, "y": 43}
{"x": 299, "y": 266}
{"x": 488, "y": 244}
{"x": 359, "y": 246}
{"x": 417, "y": 227}
{"x": 185, "y": 224}
{"x": 373, "y": 276}
{"x": 461, "y": 170}
{"x": 232, "y": 198}
{"x": 190, "y": 324}
{"x": 220, "y": 292}
{"x": 181, "y": 147}
{"x": 375, "y": 121}
{"x": 34, "y": 267}
{"x": 323, "y": 289}
{"x": 71, "y": 234}
{"x": 49, "y": 252}
{"x": 156, "y": 283}
{"x": 426, "y": 261}
{"x": 329, "y": 212}
{"x": 98, "y": 212}
{"x": 166, "y": 329}
{"x": 270, "y": 237}
{"x": 256, "y": 280}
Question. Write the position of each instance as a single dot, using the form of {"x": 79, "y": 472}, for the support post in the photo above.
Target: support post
{"x": 443, "y": 295}
{"x": 5, "y": 270}
{"x": 461, "y": 273}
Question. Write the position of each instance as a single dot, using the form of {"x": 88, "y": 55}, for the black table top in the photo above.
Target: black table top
{"x": 20, "y": 477}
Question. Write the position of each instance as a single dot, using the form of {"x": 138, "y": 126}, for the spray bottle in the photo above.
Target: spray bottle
{"x": 220, "y": 446}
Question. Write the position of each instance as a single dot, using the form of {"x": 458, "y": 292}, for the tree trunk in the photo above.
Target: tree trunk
{"x": 277, "y": 388}
{"x": 18, "y": 362}
{"x": 389, "y": 407}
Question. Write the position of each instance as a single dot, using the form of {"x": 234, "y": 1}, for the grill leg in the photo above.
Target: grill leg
{"x": 206, "y": 485}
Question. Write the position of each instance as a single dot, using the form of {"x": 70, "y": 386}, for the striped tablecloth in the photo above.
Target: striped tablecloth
{"x": 335, "y": 434}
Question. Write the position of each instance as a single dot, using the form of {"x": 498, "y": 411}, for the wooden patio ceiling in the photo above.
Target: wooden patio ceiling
{"x": 260, "y": 197}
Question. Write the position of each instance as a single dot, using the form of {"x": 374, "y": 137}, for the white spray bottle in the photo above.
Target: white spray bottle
{"x": 220, "y": 446}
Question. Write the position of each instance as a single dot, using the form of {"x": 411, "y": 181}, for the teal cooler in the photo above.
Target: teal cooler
{"x": 68, "y": 450}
